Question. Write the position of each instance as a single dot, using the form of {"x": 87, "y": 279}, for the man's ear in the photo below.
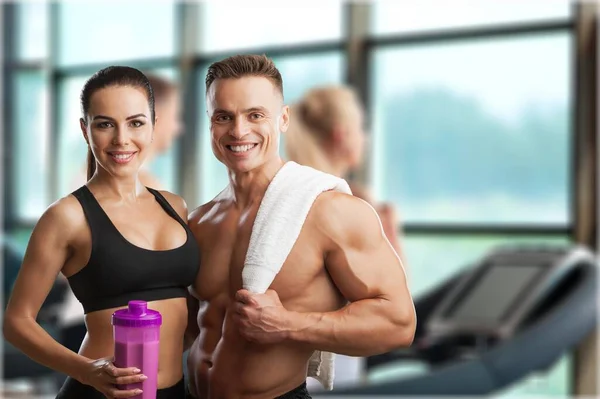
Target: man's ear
{"x": 83, "y": 126}
{"x": 284, "y": 121}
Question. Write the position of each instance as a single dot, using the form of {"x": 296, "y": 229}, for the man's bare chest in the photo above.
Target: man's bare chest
{"x": 224, "y": 254}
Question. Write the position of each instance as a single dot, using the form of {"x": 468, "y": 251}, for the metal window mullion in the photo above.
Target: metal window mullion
{"x": 54, "y": 105}
{"x": 189, "y": 173}
{"x": 9, "y": 34}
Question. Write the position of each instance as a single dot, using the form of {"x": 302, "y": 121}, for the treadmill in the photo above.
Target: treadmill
{"x": 514, "y": 312}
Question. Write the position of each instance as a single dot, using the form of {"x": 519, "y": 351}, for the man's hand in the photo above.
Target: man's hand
{"x": 260, "y": 318}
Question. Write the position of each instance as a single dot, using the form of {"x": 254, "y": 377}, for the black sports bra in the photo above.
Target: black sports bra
{"x": 119, "y": 271}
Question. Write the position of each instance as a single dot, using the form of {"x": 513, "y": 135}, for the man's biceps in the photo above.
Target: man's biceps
{"x": 347, "y": 271}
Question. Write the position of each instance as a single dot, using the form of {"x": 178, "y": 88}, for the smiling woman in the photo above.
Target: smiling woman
{"x": 111, "y": 239}
{"x": 104, "y": 124}
{"x": 106, "y": 91}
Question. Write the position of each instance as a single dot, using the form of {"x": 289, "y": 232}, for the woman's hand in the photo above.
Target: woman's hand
{"x": 105, "y": 378}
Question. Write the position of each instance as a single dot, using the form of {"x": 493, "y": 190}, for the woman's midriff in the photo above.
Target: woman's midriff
{"x": 99, "y": 342}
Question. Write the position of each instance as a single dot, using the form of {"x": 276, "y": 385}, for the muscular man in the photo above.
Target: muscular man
{"x": 342, "y": 288}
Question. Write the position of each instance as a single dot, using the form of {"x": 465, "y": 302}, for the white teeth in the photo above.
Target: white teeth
{"x": 122, "y": 156}
{"x": 241, "y": 148}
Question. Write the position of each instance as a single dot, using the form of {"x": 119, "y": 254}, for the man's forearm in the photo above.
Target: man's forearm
{"x": 363, "y": 328}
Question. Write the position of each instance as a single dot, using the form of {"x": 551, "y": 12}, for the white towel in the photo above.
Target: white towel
{"x": 280, "y": 218}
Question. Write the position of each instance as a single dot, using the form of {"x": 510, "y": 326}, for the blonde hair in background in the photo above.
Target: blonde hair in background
{"x": 312, "y": 120}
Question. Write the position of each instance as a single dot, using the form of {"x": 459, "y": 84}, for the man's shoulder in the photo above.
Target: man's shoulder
{"x": 340, "y": 213}
{"x": 219, "y": 201}
{"x": 339, "y": 203}
{"x": 198, "y": 214}
{"x": 208, "y": 211}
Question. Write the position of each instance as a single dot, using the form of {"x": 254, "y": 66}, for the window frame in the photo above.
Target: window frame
{"x": 450, "y": 35}
{"x": 358, "y": 44}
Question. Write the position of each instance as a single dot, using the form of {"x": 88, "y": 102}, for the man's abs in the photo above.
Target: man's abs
{"x": 237, "y": 368}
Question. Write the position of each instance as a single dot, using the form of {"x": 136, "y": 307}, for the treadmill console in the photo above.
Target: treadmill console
{"x": 501, "y": 291}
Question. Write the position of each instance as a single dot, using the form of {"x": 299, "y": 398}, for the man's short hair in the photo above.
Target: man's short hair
{"x": 238, "y": 66}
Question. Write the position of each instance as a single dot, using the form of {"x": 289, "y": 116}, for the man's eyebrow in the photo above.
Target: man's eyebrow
{"x": 222, "y": 111}
{"x": 255, "y": 109}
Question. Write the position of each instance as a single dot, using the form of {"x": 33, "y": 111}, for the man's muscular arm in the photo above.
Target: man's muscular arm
{"x": 380, "y": 316}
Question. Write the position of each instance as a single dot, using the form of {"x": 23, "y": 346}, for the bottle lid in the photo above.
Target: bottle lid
{"x": 136, "y": 314}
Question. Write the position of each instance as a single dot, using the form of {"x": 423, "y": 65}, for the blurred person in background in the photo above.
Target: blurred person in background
{"x": 111, "y": 239}
{"x": 168, "y": 124}
{"x": 326, "y": 132}
{"x": 167, "y": 129}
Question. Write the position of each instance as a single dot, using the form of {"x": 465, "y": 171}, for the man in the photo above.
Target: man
{"x": 258, "y": 345}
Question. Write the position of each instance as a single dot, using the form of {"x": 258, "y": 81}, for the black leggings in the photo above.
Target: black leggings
{"x": 301, "y": 392}
{"x": 73, "y": 389}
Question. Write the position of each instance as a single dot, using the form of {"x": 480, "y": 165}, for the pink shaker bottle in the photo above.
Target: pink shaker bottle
{"x": 136, "y": 332}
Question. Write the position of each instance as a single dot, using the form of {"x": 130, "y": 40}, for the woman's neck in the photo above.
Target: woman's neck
{"x": 126, "y": 187}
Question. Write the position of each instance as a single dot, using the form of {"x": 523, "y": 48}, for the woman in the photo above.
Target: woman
{"x": 167, "y": 128}
{"x": 326, "y": 132}
{"x": 115, "y": 240}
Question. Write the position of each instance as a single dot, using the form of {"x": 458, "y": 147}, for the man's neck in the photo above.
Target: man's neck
{"x": 250, "y": 187}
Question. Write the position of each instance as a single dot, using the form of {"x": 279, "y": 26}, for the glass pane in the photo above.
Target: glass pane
{"x": 99, "y": 32}
{"x": 458, "y": 141}
{"x": 72, "y": 168}
{"x": 267, "y": 24}
{"x": 391, "y": 16}
{"x": 299, "y": 74}
{"x": 72, "y": 149}
{"x": 432, "y": 259}
{"x": 30, "y": 135}
{"x": 33, "y": 33}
